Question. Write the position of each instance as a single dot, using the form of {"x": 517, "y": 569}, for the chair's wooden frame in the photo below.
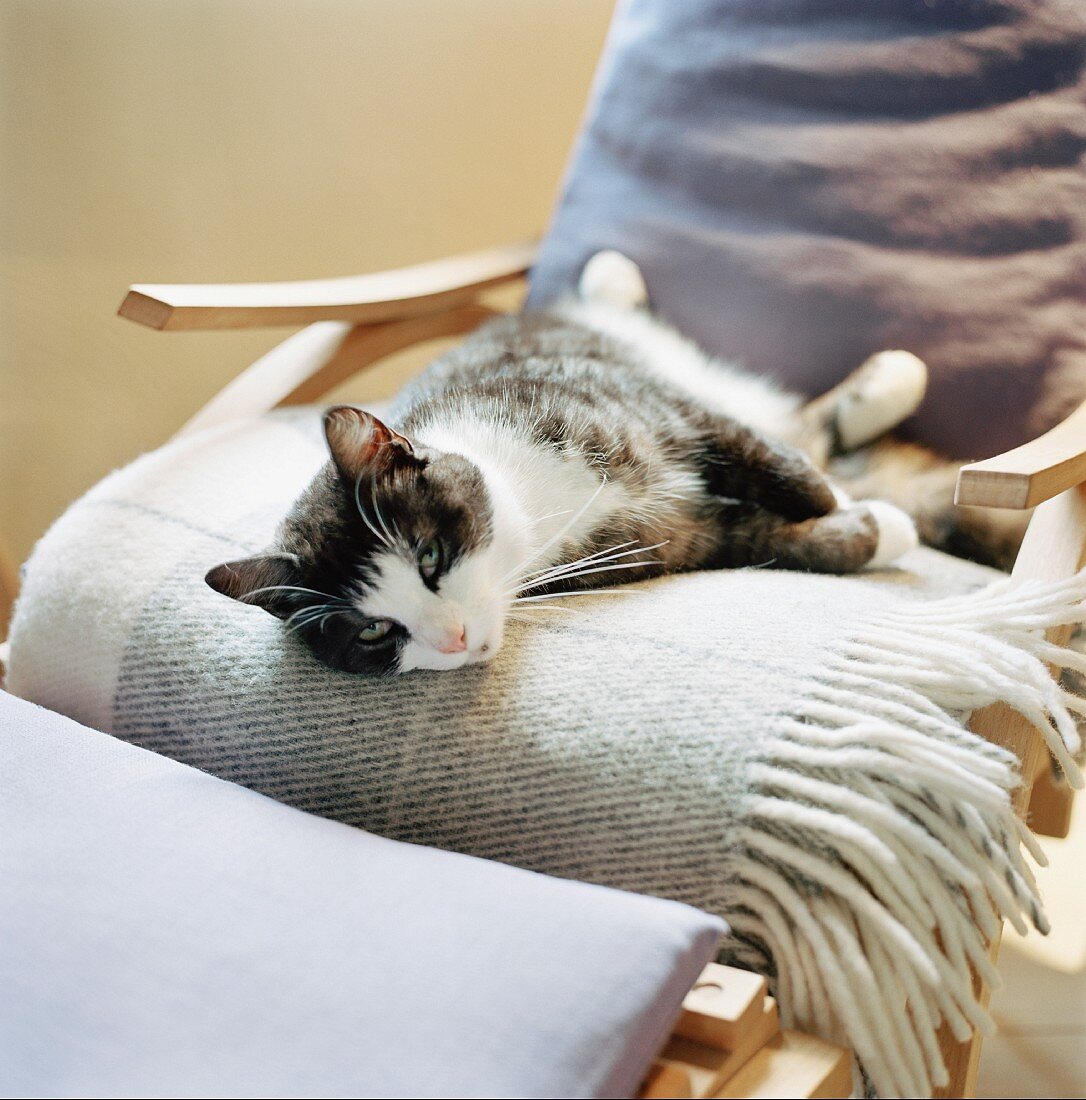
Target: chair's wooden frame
{"x": 354, "y": 322}
{"x": 9, "y": 588}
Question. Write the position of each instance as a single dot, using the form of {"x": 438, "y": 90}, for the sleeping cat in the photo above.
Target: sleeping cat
{"x": 562, "y": 451}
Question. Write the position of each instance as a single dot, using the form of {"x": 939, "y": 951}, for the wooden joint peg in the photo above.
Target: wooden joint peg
{"x": 729, "y": 1043}
{"x": 710, "y": 1067}
{"x": 723, "y": 1006}
{"x": 667, "y": 1081}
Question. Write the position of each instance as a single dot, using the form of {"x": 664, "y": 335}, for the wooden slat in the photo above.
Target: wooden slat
{"x": 305, "y": 367}
{"x": 793, "y": 1064}
{"x": 361, "y": 299}
{"x": 9, "y": 587}
{"x": 667, "y": 1082}
{"x": 1032, "y": 473}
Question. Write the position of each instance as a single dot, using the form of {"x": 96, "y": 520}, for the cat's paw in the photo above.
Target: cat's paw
{"x": 888, "y": 388}
{"x": 897, "y": 533}
{"x": 614, "y": 279}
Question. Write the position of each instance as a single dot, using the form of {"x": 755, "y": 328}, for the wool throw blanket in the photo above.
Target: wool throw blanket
{"x": 784, "y": 750}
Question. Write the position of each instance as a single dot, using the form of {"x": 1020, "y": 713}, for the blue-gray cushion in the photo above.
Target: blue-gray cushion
{"x": 164, "y": 933}
{"x": 806, "y": 182}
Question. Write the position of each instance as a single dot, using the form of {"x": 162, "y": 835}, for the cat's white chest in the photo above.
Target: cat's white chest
{"x": 542, "y": 499}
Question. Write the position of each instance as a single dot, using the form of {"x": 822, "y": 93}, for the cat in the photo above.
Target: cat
{"x": 559, "y": 451}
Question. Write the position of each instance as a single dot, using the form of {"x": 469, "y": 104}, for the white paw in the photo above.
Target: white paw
{"x": 889, "y": 388}
{"x": 844, "y": 500}
{"x": 615, "y": 279}
{"x": 897, "y": 533}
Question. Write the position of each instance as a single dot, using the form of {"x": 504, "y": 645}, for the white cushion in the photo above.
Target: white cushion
{"x": 163, "y": 933}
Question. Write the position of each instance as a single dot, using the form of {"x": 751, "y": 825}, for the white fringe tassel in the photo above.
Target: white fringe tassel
{"x": 880, "y": 850}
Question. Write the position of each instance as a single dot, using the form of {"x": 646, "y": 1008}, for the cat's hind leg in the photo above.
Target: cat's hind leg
{"x": 876, "y": 397}
{"x": 614, "y": 279}
{"x": 922, "y": 484}
{"x": 886, "y": 390}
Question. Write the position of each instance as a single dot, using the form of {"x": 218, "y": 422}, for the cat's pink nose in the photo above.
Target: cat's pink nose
{"x": 454, "y": 642}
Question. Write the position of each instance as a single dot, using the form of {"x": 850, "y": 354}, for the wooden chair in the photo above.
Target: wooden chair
{"x": 728, "y": 1041}
{"x": 9, "y": 587}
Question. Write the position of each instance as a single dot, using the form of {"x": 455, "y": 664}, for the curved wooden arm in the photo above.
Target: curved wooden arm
{"x": 304, "y": 367}
{"x": 362, "y": 299}
{"x": 1032, "y": 473}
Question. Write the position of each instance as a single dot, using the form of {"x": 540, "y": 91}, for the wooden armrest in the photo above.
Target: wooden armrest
{"x": 363, "y": 299}
{"x": 1032, "y": 473}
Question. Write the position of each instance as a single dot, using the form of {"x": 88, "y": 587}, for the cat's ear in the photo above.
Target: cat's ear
{"x": 268, "y": 581}
{"x": 361, "y": 445}
{"x": 744, "y": 464}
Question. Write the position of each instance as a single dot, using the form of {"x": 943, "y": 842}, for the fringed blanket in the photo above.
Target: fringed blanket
{"x": 785, "y": 750}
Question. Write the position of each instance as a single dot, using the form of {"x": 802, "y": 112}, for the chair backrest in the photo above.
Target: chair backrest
{"x": 804, "y": 184}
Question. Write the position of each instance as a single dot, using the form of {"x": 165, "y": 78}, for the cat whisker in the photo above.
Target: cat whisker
{"x": 573, "y": 568}
{"x": 377, "y": 510}
{"x": 589, "y": 572}
{"x": 292, "y": 588}
{"x": 307, "y": 616}
{"x": 568, "y": 610}
{"x": 558, "y": 534}
{"x": 600, "y": 558}
{"x": 310, "y": 611}
{"x": 532, "y": 523}
{"x": 588, "y": 558}
{"x": 322, "y": 620}
{"x": 365, "y": 518}
{"x": 552, "y": 515}
{"x": 578, "y": 592}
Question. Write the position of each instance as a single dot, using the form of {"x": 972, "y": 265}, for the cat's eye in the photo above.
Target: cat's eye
{"x": 374, "y": 631}
{"x": 430, "y": 559}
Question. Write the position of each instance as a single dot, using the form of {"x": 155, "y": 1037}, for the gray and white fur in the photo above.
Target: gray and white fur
{"x": 562, "y": 451}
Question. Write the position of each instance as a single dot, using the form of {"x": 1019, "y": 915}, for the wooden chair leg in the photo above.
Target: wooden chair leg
{"x": 1050, "y": 804}
{"x": 1002, "y": 726}
{"x": 963, "y": 1059}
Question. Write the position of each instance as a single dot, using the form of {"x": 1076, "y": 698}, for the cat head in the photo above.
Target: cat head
{"x": 387, "y": 562}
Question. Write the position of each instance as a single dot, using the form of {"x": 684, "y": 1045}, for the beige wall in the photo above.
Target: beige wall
{"x": 218, "y": 140}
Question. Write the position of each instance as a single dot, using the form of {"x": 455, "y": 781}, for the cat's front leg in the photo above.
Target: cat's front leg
{"x": 740, "y": 463}
{"x": 871, "y": 534}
